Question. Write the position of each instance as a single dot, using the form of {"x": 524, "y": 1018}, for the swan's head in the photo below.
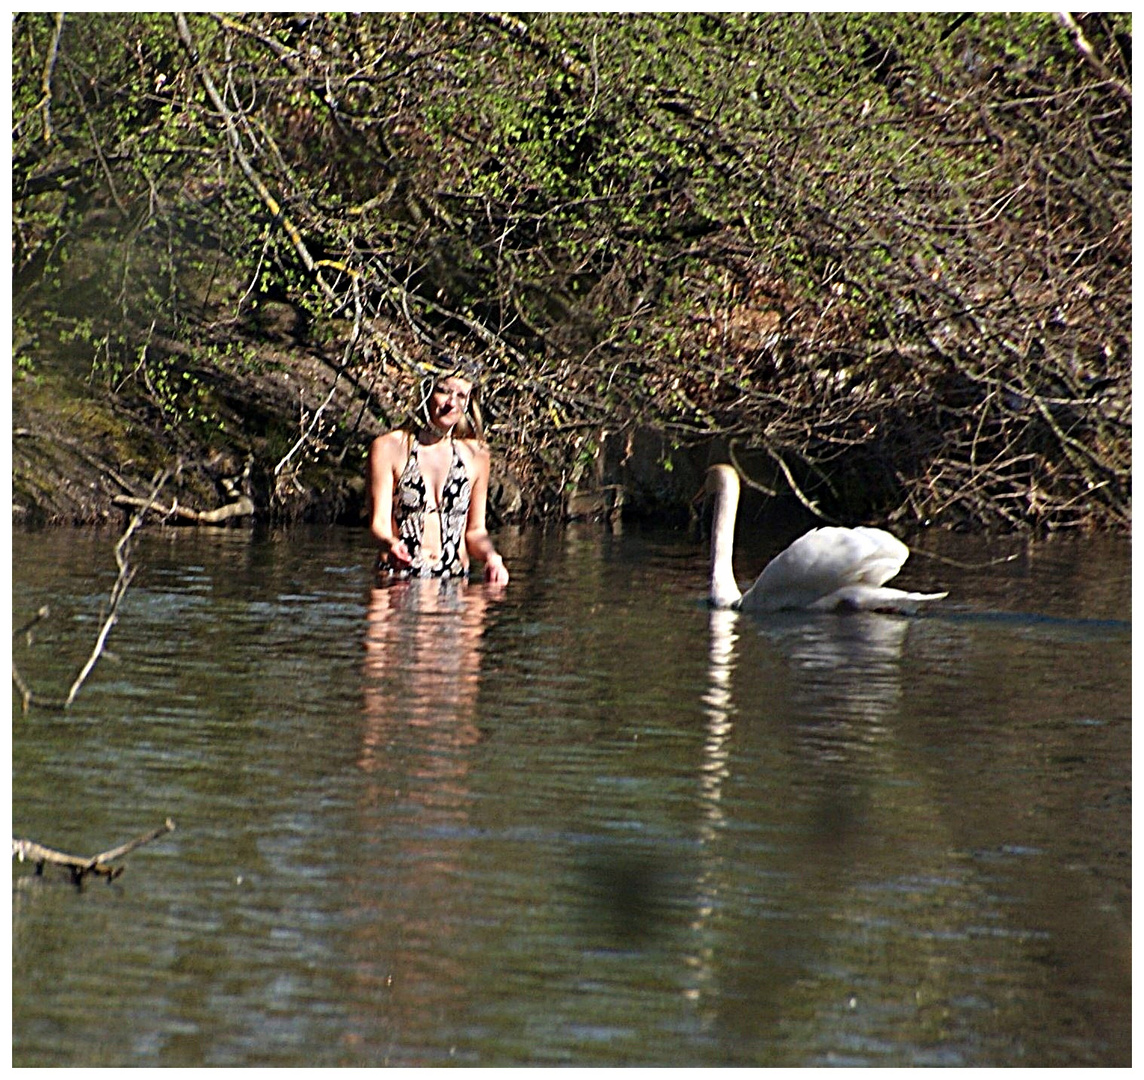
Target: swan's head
{"x": 723, "y": 490}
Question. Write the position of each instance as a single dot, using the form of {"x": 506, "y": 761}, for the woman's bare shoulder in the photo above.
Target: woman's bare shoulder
{"x": 395, "y": 439}
{"x": 392, "y": 446}
{"x": 475, "y": 451}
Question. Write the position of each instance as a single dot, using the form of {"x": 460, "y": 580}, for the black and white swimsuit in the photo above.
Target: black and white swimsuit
{"x": 411, "y": 502}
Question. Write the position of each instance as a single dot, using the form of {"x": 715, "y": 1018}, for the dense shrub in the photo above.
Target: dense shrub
{"x": 889, "y": 252}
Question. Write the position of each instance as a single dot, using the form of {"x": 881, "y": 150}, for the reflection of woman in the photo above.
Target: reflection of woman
{"x": 422, "y": 670}
{"x": 413, "y": 892}
{"x": 429, "y": 482}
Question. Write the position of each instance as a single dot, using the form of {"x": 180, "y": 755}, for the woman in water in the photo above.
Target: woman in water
{"x": 429, "y": 483}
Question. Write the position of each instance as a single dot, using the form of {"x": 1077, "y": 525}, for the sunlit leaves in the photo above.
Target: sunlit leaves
{"x": 742, "y": 221}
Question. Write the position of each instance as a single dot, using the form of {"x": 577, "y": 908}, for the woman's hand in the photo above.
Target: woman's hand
{"x": 395, "y": 554}
{"x": 496, "y": 573}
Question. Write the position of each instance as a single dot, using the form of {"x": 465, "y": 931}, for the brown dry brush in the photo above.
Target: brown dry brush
{"x": 970, "y": 355}
{"x": 957, "y": 353}
{"x": 966, "y": 351}
{"x": 890, "y": 255}
{"x": 936, "y": 350}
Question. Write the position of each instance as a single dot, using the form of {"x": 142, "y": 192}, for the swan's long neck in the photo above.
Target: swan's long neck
{"x": 723, "y": 487}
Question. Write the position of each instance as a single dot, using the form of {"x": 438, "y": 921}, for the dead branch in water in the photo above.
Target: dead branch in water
{"x": 118, "y": 590}
{"x": 242, "y": 507}
{"x": 80, "y": 866}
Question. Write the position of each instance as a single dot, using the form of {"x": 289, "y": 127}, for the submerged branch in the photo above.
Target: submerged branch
{"x": 80, "y": 866}
{"x": 118, "y": 590}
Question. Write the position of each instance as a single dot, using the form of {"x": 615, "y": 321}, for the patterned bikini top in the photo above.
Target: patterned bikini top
{"x": 411, "y": 502}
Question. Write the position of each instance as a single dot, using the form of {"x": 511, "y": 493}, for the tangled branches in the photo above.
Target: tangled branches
{"x": 892, "y": 254}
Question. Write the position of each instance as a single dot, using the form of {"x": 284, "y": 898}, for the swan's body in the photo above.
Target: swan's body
{"x": 826, "y": 569}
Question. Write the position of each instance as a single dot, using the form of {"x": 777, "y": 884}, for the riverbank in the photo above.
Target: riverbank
{"x": 283, "y": 440}
{"x": 921, "y": 316}
{"x": 83, "y": 451}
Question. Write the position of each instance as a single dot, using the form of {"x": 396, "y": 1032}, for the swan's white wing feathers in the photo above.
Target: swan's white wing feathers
{"x": 875, "y": 598}
{"x": 822, "y": 562}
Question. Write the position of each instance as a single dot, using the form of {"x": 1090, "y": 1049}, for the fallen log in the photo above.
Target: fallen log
{"x": 79, "y": 865}
{"x": 242, "y": 507}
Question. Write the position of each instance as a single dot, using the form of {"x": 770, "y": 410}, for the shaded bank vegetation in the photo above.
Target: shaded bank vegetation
{"x": 882, "y": 260}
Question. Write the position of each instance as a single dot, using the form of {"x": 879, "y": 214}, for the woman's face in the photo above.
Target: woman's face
{"x": 448, "y": 402}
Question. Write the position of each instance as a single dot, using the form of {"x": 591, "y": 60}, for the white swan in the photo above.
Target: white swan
{"x": 826, "y": 569}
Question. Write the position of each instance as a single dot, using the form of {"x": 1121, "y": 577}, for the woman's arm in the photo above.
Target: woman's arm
{"x": 382, "y": 460}
{"x": 477, "y": 539}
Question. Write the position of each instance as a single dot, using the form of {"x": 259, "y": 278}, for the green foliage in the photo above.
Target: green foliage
{"x": 719, "y": 223}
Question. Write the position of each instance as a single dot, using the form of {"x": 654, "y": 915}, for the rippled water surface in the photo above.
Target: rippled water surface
{"x": 580, "y": 821}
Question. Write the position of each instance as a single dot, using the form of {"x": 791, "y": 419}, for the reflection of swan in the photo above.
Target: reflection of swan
{"x": 719, "y": 709}
{"x": 843, "y": 671}
{"x": 714, "y": 772}
{"x": 827, "y": 569}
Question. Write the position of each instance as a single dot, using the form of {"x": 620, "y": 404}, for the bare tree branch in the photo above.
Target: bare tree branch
{"x": 241, "y": 507}
{"x": 118, "y": 590}
{"x": 248, "y": 170}
{"x": 45, "y": 104}
{"x": 1084, "y": 47}
{"x": 79, "y": 865}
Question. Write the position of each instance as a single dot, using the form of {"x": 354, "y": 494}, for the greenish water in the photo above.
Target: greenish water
{"x": 582, "y": 821}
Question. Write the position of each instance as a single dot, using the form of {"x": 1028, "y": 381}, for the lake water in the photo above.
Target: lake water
{"x": 579, "y": 821}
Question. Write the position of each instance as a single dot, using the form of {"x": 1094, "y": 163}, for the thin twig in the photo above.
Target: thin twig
{"x": 961, "y": 564}
{"x": 351, "y": 346}
{"x": 1084, "y": 47}
{"x": 118, "y": 590}
{"x": 40, "y": 615}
